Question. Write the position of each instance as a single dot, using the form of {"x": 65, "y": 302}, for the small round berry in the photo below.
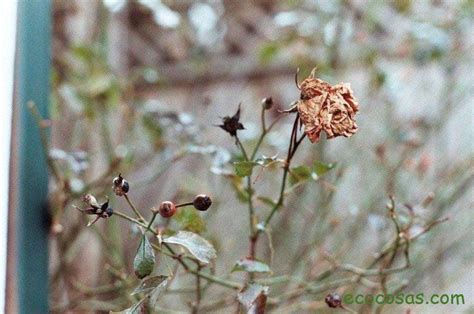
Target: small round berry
{"x": 120, "y": 186}
{"x": 202, "y": 202}
{"x": 107, "y": 213}
{"x": 333, "y": 300}
{"x": 125, "y": 186}
{"x": 267, "y": 103}
{"x": 167, "y": 209}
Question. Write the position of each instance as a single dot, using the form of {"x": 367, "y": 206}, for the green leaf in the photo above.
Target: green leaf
{"x": 190, "y": 220}
{"x": 299, "y": 174}
{"x": 268, "y": 52}
{"x": 250, "y": 293}
{"x": 321, "y": 168}
{"x": 251, "y": 266}
{"x": 244, "y": 168}
{"x": 149, "y": 284}
{"x": 199, "y": 247}
{"x": 144, "y": 259}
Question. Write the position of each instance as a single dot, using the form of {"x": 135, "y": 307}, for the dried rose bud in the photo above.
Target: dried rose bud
{"x": 267, "y": 103}
{"x": 100, "y": 210}
{"x": 232, "y": 124}
{"x": 90, "y": 200}
{"x": 333, "y": 300}
{"x": 107, "y": 212}
{"x": 202, "y": 202}
{"x": 327, "y": 108}
{"x": 120, "y": 186}
{"x": 167, "y": 209}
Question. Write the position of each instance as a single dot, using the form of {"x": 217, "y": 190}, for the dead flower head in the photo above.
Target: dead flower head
{"x": 232, "y": 124}
{"x": 327, "y": 108}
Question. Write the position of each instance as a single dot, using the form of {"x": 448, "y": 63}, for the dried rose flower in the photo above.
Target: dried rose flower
{"x": 327, "y": 108}
{"x": 232, "y": 124}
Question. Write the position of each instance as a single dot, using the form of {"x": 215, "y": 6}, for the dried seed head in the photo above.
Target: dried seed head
{"x": 232, "y": 124}
{"x": 90, "y": 200}
{"x": 107, "y": 212}
{"x": 99, "y": 210}
{"x": 120, "y": 186}
{"x": 327, "y": 108}
{"x": 125, "y": 186}
{"x": 167, "y": 209}
{"x": 118, "y": 180}
{"x": 333, "y": 300}
{"x": 202, "y": 202}
{"x": 267, "y": 103}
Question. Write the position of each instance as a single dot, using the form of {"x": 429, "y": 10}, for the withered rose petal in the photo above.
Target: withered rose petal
{"x": 312, "y": 87}
{"x": 309, "y": 111}
{"x": 346, "y": 92}
{"x": 337, "y": 117}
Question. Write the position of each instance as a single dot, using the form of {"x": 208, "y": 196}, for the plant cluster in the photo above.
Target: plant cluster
{"x": 320, "y": 108}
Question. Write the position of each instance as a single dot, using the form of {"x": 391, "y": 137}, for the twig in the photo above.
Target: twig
{"x": 135, "y": 210}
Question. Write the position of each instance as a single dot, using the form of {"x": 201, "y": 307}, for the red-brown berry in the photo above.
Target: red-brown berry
{"x": 202, "y": 202}
{"x": 333, "y": 300}
{"x": 167, "y": 209}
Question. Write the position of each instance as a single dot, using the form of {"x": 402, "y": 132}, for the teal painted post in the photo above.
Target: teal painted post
{"x": 32, "y": 83}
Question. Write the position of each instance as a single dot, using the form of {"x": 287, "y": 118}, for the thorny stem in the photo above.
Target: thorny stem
{"x": 239, "y": 144}
{"x": 262, "y": 135}
{"x": 265, "y": 131}
{"x": 292, "y": 147}
{"x": 184, "y": 204}
{"x": 135, "y": 221}
{"x": 250, "y": 201}
{"x": 252, "y": 217}
{"x": 151, "y": 221}
{"x": 291, "y": 151}
{"x": 135, "y": 210}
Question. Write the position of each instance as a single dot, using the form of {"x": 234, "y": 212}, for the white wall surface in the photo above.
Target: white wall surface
{"x": 7, "y": 58}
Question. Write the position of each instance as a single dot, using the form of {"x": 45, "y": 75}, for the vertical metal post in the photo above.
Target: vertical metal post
{"x": 32, "y": 83}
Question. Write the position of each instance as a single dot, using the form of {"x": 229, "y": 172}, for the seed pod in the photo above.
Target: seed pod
{"x": 202, "y": 202}
{"x": 117, "y": 180}
{"x": 120, "y": 186}
{"x": 232, "y": 124}
{"x": 107, "y": 212}
{"x": 90, "y": 200}
{"x": 267, "y": 103}
{"x": 125, "y": 186}
{"x": 167, "y": 209}
{"x": 333, "y": 300}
